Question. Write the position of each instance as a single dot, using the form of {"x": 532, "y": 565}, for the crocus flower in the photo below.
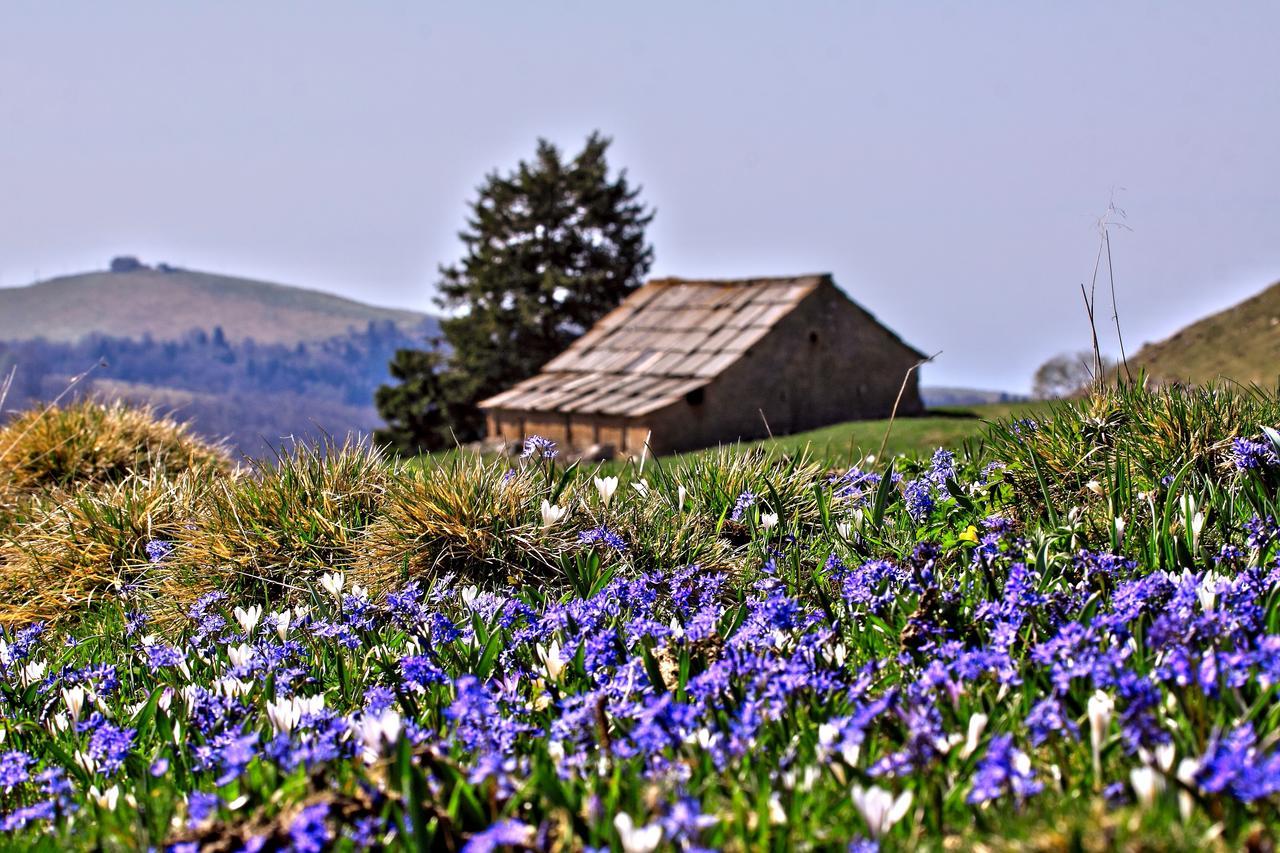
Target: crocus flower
{"x": 551, "y": 513}
{"x": 637, "y": 839}
{"x": 879, "y": 808}
{"x": 1100, "y": 707}
{"x": 332, "y": 583}
{"x": 606, "y": 486}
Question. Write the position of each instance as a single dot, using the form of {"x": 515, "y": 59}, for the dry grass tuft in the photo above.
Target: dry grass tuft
{"x": 273, "y": 529}
{"x": 75, "y": 548}
{"x": 88, "y": 443}
{"x": 464, "y": 515}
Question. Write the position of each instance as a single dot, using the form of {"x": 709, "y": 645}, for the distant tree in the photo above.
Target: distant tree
{"x": 126, "y": 263}
{"x": 550, "y": 248}
{"x": 1066, "y": 375}
{"x": 416, "y": 409}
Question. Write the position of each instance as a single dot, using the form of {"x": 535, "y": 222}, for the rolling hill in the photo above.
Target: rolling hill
{"x": 165, "y": 302}
{"x": 1241, "y": 343}
{"x": 247, "y": 361}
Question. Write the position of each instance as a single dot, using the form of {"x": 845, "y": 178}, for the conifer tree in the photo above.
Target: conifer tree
{"x": 550, "y": 248}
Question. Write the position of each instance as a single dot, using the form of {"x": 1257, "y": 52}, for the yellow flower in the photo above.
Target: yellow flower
{"x": 970, "y": 534}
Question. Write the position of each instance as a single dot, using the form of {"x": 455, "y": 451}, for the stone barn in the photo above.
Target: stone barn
{"x": 691, "y": 364}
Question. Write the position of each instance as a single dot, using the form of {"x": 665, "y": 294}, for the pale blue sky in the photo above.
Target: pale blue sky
{"x": 945, "y": 160}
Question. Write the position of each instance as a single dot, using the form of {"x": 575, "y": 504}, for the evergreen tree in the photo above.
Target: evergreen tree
{"x": 416, "y": 410}
{"x": 550, "y": 248}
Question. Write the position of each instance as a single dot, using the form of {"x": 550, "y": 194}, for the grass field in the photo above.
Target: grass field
{"x": 1062, "y": 638}
{"x": 949, "y": 427}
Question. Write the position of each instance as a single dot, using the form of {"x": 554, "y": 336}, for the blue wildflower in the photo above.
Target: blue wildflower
{"x": 603, "y": 536}
{"x": 158, "y": 550}
{"x": 309, "y": 833}
{"x": 536, "y": 445}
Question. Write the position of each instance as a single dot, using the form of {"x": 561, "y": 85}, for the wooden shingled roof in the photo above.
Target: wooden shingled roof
{"x": 667, "y": 338}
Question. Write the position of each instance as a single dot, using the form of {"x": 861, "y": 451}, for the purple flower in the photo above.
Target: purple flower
{"x": 14, "y": 769}
{"x": 309, "y": 833}
{"x": 420, "y": 671}
{"x": 536, "y": 445}
{"x": 745, "y": 501}
{"x": 109, "y": 746}
{"x": 158, "y": 550}
{"x": 201, "y": 805}
{"x": 918, "y": 495}
{"x": 1004, "y": 769}
{"x": 1248, "y": 455}
{"x": 511, "y": 833}
{"x": 603, "y": 536}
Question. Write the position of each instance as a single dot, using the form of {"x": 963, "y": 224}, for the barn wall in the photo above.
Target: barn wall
{"x": 851, "y": 368}
{"x": 579, "y": 431}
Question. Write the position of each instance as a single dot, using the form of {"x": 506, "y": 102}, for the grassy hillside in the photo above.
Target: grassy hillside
{"x": 1064, "y": 640}
{"x": 1241, "y": 343}
{"x": 943, "y": 427}
{"x": 165, "y": 304}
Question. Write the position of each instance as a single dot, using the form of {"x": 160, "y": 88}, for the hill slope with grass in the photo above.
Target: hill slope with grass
{"x": 1241, "y": 343}
{"x": 166, "y": 302}
{"x": 247, "y": 361}
{"x": 1061, "y": 637}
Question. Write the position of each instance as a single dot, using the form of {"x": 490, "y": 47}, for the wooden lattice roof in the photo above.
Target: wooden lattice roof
{"x": 667, "y": 338}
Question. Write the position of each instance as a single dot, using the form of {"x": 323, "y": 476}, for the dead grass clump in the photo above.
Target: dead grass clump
{"x": 89, "y": 442}
{"x": 465, "y": 515}
{"x": 276, "y": 527}
{"x": 72, "y": 549}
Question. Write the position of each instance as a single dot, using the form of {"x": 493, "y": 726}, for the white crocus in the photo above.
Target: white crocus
{"x": 375, "y": 732}
{"x": 468, "y": 594}
{"x": 681, "y": 494}
{"x": 551, "y": 659}
{"x": 85, "y": 761}
{"x": 637, "y": 839}
{"x": 641, "y": 487}
{"x": 1207, "y": 590}
{"x": 105, "y": 799}
{"x": 879, "y": 808}
{"x": 777, "y": 814}
{"x": 1100, "y": 707}
{"x": 74, "y": 697}
{"x": 282, "y": 619}
{"x": 248, "y": 617}
{"x": 332, "y": 582}
{"x": 284, "y": 715}
{"x": 977, "y": 725}
{"x": 1187, "y": 769}
{"x": 33, "y": 672}
{"x": 1147, "y": 785}
{"x": 241, "y": 654}
{"x": 606, "y": 486}
{"x": 551, "y": 513}
{"x": 768, "y": 520}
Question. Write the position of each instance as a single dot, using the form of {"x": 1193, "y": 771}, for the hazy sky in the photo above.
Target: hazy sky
{"x": 947, "y": 161}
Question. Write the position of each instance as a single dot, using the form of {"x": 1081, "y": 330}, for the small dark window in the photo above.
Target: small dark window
{"x": 695, "y": 397}
{"x": 813, "y": 337}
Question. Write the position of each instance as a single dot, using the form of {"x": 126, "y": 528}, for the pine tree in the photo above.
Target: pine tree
{"x": 416, "y": 410}
{"x": 550, "y": 248}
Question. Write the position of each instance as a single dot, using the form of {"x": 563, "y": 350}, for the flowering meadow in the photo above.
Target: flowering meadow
{"x": 1066, "y": 636}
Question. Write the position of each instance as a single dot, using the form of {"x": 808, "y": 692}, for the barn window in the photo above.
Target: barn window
{"x": 695, "y": 397}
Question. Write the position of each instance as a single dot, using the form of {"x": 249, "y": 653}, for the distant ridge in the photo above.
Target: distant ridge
{"x": 1241, "y": 343}
{"x": 165, "y": 302}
